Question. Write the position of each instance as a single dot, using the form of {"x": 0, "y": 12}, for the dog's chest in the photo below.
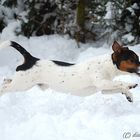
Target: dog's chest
{"x": 102, "y": 68}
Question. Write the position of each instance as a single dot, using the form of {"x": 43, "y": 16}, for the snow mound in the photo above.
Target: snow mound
{"x": 35, "y": 114}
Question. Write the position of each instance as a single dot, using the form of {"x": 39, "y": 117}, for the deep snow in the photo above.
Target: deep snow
{"x": 49, "y": 115}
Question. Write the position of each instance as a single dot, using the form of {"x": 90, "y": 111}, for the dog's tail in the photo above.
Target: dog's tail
{"x": 29, "y": 60}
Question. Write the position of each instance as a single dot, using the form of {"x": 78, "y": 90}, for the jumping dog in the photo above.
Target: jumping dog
{"x": 80, "y": 79}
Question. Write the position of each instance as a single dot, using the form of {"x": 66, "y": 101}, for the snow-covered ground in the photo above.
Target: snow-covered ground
{"x": 49, "y": 115}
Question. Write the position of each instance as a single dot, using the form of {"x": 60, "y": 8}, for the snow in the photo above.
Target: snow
{"x": 128, "y": 38}
{"x": 9, "y": 31}
{"x": 109, "y": 10}
{"x": 49, "y": 115}
{"x": 131, "y": 10}
{"x": 135, "y": 6}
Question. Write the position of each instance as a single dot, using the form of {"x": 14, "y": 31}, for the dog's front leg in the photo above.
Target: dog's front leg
{"x": 107, "y": 86}
{"x": 126, "y": 92}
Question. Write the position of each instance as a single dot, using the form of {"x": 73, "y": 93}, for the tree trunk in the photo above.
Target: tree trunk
{"x": 80, "y": 35}
{"x": 81, "y": 14}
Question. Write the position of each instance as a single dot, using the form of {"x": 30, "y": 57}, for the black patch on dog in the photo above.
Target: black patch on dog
{"x": 130, "y": 55}
{"x": 27, "y": 64}
{"x": 60, "y": 63}
{"x": 20, "y": 49}
{"x": 29, "y": 60}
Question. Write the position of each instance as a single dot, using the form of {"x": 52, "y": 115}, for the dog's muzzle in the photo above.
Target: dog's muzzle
{"x": 138, "y": 71}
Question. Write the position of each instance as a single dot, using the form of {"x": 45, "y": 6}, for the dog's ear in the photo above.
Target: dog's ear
{"x": 114, "y": 58}
{"x": 116, "y": 47}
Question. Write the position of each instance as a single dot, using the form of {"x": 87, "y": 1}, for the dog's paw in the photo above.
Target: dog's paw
{"x": 132, "y": 86}
{"x": 7, "y": 81}
{"x": 129, "y": 99}
{"x": 128, "y": 95}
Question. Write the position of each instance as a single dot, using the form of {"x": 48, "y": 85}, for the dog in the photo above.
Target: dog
{"x": 80, "y": 79}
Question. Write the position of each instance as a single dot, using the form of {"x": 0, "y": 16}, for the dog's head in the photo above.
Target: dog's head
{"x": 125, "y": 59}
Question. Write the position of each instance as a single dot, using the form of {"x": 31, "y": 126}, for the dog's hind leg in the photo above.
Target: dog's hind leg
{"x": 12, "y": 87}
{"x": 6, "y": 81}
{"x": 19, "y": 82}
{"x": 4, "y": 86}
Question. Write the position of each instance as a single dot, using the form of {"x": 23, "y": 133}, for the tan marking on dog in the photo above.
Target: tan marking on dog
{"x": 125, "y": 65}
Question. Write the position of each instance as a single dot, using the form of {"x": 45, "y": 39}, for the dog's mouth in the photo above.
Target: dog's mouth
{"x": 138, "y": 74}
{"x": 136, "y": 71}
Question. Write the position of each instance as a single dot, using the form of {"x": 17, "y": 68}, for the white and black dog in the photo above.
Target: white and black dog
{"x": 79, "y": 79}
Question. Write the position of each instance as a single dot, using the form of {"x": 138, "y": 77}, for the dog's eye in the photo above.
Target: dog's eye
{"x": 132, "y": 61}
